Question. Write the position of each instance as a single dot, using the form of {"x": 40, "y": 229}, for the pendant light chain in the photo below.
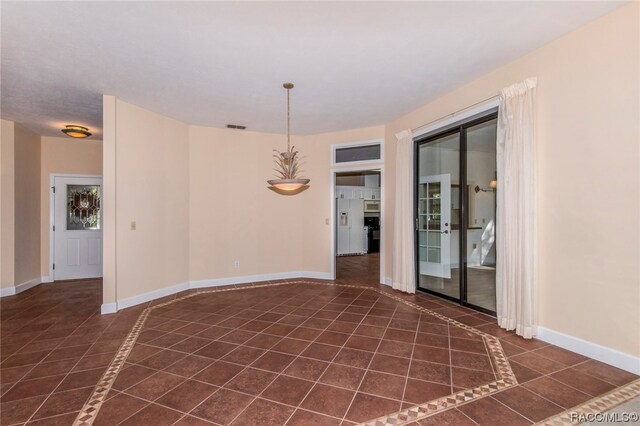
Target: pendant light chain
{"x": 288, "y": 121}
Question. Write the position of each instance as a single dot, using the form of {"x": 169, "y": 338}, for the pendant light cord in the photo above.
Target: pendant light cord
{"x": 288, "y": 122}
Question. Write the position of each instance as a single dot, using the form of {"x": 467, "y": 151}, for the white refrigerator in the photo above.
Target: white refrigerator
{"x": 350, "y": 226}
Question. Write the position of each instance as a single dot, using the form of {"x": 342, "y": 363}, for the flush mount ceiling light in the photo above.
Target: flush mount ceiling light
{"x": 287, "y": 164}
{"x": 76, "y": 131}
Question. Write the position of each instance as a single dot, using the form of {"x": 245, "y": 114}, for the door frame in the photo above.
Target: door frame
{"x": 378, "y": 166}
{"x": 52, "y": 211}
{"x": 479, "y": 117}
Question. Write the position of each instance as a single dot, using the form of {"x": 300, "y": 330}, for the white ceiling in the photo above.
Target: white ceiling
{"x": 355, "y": 64}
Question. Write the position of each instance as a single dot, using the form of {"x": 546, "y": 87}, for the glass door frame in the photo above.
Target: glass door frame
{"x": 457, "y": 128}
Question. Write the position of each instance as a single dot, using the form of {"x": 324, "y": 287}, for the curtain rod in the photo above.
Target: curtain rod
{"x": 453, "y": 114}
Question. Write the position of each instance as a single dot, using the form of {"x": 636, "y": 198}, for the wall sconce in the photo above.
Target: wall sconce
{"x": 492, "y": 187}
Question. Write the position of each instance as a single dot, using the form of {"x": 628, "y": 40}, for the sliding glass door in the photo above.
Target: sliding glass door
{"x": 455, "y": 213}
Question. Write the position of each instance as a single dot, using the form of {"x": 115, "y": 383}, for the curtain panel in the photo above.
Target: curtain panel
{"x": 516, "y": 275}
{"x": 404, "y": 272}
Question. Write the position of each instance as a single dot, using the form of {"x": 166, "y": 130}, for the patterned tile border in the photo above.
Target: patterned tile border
{"x": 595, "y": 406}
{"x": 505, "y": 375}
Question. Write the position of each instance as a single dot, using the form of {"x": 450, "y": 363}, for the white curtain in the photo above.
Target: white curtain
{"x": 516, "y": 217}
{"x": 404, "y": 268}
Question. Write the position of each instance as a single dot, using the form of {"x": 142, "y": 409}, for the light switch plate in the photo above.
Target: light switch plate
{"x": 133, "y": 225}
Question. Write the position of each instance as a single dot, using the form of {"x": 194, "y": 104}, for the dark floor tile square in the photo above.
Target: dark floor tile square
{"x": 287, "y": 390}
{"x": 489, "y": 412}
{"x": 368, "y": 407}
{"x": 464, "y": 378}
{"x": 187, "y": 395}
{"x": 162, "y": 359}
{"x": 383, "y": 384}
{"x": 430, "y": 372}
{"x": 342, "y": 376}
{"x": 306, "y": 368}
{"x": 528, "y": 404}
{"x": 583, "y": 382}
{"x": 362, "y": 343}
{"x": 190, "y": 344}
{"x": 606, "y": 372}
{"x": 223, "y": 406}
{"x": 332, "y": 338}
{"x": 435, "y": 340}
{"x": 557, "y": 392}
{"x": 273, "y": 361}
{"x": 153, "y": 414}
{"x": 291, "y": 346}
{"x": 63, "y": 402}
{"x": 307, "y": 418}
{"x": 81, "y": 379}
{"x": 244, "y": 355}
{"x": 216, "y": 349}
{"x": 328, "y": 400}
{"x": 420, "y": 391}
{"x": 396, "y": 348}
{"x": 263, "y": 341}
{"x": 537, "y": 363}
{"x": 251, "y": 381}
{"x": 304, "y": 333}
{"x": 219, "y": 373}
{"x": 117, "y": 409}
{"x": 237, "y": 337}
{"x": 19, "y": 411}
{"x": 320, "y": 351}
{"x": 432, "y": 354}
{"x": 155, "y": 386}
{"x": 189, "y": 365}
{"x": 262, "y": 412}
{"x": 131, "y": 375}
{"x": 389, "y": 364}
{"x": 353, "y": 358}
{"x": 400, "y": 335}
{"x": 448, "y": 418}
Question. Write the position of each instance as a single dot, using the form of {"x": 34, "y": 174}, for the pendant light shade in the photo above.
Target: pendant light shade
{"x": 287, "y": 164}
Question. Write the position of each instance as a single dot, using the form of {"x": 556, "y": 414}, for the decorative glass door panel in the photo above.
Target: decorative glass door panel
{"x": 438, "y": 166}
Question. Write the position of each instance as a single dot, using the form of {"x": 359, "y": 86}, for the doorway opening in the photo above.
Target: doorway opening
{"x": 76, "y": 227}
{"x": 455, "y": 194}
{"x": 357, "y": 219}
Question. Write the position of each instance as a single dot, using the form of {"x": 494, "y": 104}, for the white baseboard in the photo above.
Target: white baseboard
{"x": 109, "y": 308}
{"x": 8, "y": 291}
{"x": 46, "y": 279}
{"x": 19, "y": 288}
{"x": 607, "y": 355}
{"x": 259, "y": 278}
{"x": 152, "y": 295}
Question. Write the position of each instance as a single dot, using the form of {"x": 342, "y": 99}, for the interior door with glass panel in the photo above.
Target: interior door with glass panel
{"x": 438, "y": 168}
{"x": 78, "y": 227}
{"x": 434, "y": 218}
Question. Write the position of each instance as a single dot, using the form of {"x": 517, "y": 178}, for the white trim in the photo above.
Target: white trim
{"x": 52, "y": 216}
{"x": 108, "y": 308}
{"x": 607, "y": 355}
{"x": 258, "y": 278}
{"x": 356, "y": 144}
{"x": 215, "y": 282}
{"x": 8, "y": 291}
{"x": 456, "y": 116}
{"x": 152, "y": 295}
{"x": 19, "y": 288}
{"x": 332, "y": 209}
{"x": 46, "y": 279}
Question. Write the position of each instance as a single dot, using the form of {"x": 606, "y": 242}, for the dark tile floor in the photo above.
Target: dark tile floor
{"x": 291, "y": 354}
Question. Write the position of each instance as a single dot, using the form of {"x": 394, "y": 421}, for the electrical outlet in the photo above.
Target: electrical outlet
{"x": 133, "y": 225}
{"x": 475, "y": 246}
{"x": 236, "y": 264}
{"x": 326, "y": 221}
{"x": 484, "y": 220}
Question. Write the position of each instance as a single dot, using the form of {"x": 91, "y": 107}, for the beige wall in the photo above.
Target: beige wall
{"x": 7, "y": 205}
{"x": 27, "y": 205}
{"x": 588, "y": 164}
{"x": 234, "y": 216}
{"x": 152, "y": 182}
{"x": 64, "y": 156}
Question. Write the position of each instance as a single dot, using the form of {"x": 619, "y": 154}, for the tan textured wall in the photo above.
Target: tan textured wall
{"x": 588, "y": 164}
{"x": 27, "y": 205}
{"x": 152, "y": 182}
{"x": 7, "y": 205}
{"x": 234, "y": 216}
{"x": 66, "y": 156}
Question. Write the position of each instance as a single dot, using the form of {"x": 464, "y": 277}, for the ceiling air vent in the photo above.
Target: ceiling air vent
{"x": 236, "y": 126}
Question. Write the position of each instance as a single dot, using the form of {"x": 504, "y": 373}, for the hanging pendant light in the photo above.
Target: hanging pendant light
{"x": 287, "y": 164}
